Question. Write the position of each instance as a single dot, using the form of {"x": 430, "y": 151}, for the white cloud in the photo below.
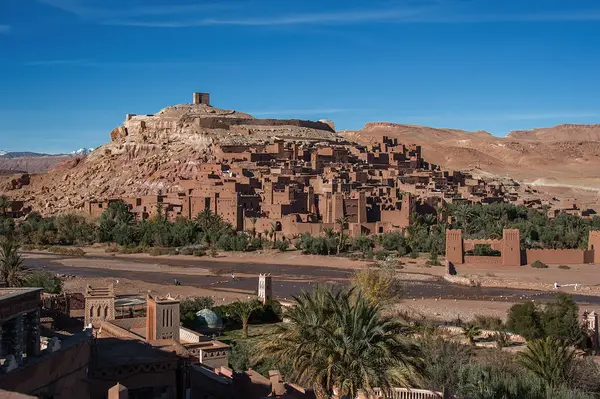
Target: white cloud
{"x": 236, "y": 13}
{"x": 4, "y": 29}
{"x": 315, "y": 111}
{"x": 99, "y": 64}
{"x": 509, "y": 116}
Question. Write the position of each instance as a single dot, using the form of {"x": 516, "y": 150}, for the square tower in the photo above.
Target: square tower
{"x": 201, "y": 98}
{"x": 594, "y": 245}
{"x": 454, "y": 247}
{"x": 162, "y": 318}
{"x": 99, "y": 304}
{"x": 265, "y": 288}
{"x": 511, "y": 247}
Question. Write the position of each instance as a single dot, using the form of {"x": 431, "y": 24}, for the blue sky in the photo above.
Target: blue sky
{"x": 71, "y": 69}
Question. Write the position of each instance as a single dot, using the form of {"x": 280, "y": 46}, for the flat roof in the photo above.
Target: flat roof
{"x": 6, "y": 293}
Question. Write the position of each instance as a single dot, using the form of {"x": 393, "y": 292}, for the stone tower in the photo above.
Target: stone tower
{"x": 362, "y": 208}
{"x": 590, "y": 322}
{"x": 201, "y": 98}
{"x": 454, "y": 247}
{"x": 99, "y": 304}
{"x": 511, "y": 247}
{"x": 265, "y": 288}
{"x": 162, "y": 318}
{"x": 594, "y": 244}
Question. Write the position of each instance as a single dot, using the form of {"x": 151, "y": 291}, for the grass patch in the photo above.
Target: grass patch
{"x": 67, "y": 251}
{"x": 255, "y": 332}
{"x": 565, "y": 267}
{"x": 539, "y": 265}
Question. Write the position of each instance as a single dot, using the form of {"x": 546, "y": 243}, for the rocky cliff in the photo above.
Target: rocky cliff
{"x": 148, "y": 153}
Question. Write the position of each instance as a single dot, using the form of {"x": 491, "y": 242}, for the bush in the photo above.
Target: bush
{"x": 67, "y": 251}
{"x": 189, "y": 307}
{"x": 413, "y": 255}
{"x": 395, "y": 242}
{"x": 524, "y": 319}
{"x": 159, "y": 251}
{"x": 539, "y": 265}
{"x": 50, "y": 282}
{"x": 381, "y": 255}
{"x": 282, "y": 245}
{"x": 565, "y": 267}
{"x": 270, "y": 312}
{"x": 489, "y": 322}
{"x": 111, "y": 248}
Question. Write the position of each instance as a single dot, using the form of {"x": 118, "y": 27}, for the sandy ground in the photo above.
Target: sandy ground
{"x": 525, "y": 277}
{"x": 314, "y": 269}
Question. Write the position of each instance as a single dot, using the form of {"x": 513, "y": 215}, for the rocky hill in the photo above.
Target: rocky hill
{"x": 566, "y": 156}
{"x": 30, "y": 162}
{"x": 149, "y": 153}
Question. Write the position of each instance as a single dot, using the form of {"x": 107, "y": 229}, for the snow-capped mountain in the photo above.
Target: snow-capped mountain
{"x": 82, "y": 151}
{"x": 3, "y": 153}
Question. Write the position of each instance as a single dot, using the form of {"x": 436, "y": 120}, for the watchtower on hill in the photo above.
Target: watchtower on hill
{"x": 201, "y": 98}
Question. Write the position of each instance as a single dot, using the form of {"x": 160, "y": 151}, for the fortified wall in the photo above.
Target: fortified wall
{"x": 511, "y": 253}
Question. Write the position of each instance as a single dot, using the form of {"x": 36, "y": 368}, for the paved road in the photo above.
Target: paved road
{"x": 284, "y": 276}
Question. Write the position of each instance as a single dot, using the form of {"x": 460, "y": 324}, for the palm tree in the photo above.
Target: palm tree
{"x": 244, "y": 310}
{"x": 329, "y": 232}
{"x": 337, "y": 339}
{"x": 11, "y": 264}
{"x": 343, "y": 222}
{"x": 549, "y": 358}
{"x": 253, "y": 219}
{"x": 273, "y": 231}
{"x": 471, "y": 331}
{"x": 4, "y": 203}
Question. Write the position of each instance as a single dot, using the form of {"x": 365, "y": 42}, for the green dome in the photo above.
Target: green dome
{"x": 208, "y": 318}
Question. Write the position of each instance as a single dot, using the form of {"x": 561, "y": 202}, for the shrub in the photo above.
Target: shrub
{"x": 67, "y": 251}
{"x": 539, "y": 265}
{"x": 50, "y": 282}
{"x": 189, "y": 307}
{"x": 270, "y": 312}
{"x": 381, "y": 255}
{"x": 158, "y": 251}
{"x": 524, "y": 319}
{"x": 489, "y": 322}
{"x": 282, "y": 245}
{"x": 111, "y": 248}
{"x": 565, "y": 267}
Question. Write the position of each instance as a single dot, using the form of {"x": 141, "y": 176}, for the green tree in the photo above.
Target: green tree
{"x": 11, "y": 264}
{"x": 560, "y": 320}
{"x": 550, "y": 359}
{"x": 524, "y": 319}
{"x": 335, "y": 338}
{"x": 243, "y": 311}
{"x": 4, "y": 204}
{"x": 115, "y": 224}
{"x": 343, "y": 222}
{"x": 189, "y": 307}
{"x": 50, "y": 282}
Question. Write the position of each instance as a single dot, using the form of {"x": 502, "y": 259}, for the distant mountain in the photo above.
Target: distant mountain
{"x": 82, "y": 151}
{"x": 11, "y": 155}
{"x": 35, "y": 162}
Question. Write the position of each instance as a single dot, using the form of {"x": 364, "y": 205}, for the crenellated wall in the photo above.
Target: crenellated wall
{"x": 559, "y": 256}
{"x": 225, "y": 123}
{"x": 483, "y": 260}
{"x": 469, "y": 245}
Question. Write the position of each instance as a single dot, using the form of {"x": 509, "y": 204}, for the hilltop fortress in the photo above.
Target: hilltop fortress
{"x": 286, "y": 176}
